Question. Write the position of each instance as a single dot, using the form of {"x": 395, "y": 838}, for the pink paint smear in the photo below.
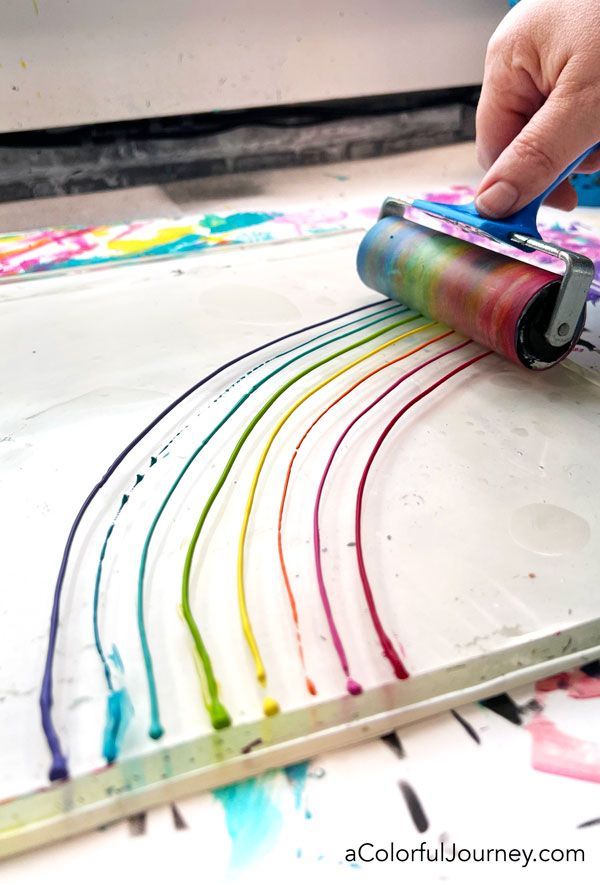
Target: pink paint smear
{"x": 577, "y": 684}
{"x": 555, "y": 752}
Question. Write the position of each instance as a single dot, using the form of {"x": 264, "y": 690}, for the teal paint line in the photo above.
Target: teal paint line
{"x": 156, "y": 729}
{"x": 252, "y": 817}
{"x": 209, "y": 683}
{"x": 119, "y": 708}
{"x": 390, "y": 310}
{"x": 97, "y": 638}
{"x": 117, "y": 717}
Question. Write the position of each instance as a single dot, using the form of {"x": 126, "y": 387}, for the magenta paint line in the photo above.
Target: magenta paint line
{"x": 59, "y": 768}
{"x": 386, "y": 644}
{"x": 338, "y": 644}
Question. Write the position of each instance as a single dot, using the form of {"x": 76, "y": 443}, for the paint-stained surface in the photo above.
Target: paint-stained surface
{"x": 41, "y": 250}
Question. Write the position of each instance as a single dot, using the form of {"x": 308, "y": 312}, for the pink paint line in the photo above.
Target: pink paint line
{"x": 389, "y": 651}
{"x": 385, "y": 641}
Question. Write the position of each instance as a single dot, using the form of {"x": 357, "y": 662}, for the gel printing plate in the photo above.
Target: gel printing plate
{"x": 479, "y": 524}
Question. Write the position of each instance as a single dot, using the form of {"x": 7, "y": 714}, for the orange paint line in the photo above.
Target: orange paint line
{"x": 284, "y": 571}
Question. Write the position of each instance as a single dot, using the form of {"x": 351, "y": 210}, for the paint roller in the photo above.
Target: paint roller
{"x": 530, "y": 315}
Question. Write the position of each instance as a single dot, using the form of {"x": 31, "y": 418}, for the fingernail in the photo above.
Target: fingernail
{"x": 497, "y": 200}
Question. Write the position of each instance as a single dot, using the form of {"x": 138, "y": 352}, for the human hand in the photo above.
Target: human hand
{"x": 540, "y": 103}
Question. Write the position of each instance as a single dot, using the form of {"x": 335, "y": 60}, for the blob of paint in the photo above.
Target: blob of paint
{"x": 119, "y": 710}
{"x": 156, "y": 730}
{"x": 270, "y": 706}
{"x": 219, "y": 716}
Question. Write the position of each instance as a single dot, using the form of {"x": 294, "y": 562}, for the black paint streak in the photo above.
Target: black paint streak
{"x": 504, "y": 706}
{"x": 588, "y": 345}
{"x": 532, "y": 705}
{"x": 592, "y": 669}
{"x": 567, "y": 645}
{"x": 178, "y": 820}
{"x": 588, "y": 823}
{"x": 415, "y": 808}
{"x": 250, "y": 746}
{"x": 392, "y": 741}
{"x": 137, "y": 824}
{"x": 468, "y": 727}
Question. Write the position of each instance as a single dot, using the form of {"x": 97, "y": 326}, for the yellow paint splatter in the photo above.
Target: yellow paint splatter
{"x": 23, "y": 64}
{"x": 36, "y": 7}
{"x": 161, "y": 238}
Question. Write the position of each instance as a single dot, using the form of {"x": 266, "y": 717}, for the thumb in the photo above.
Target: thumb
{"x": 552, "y": 139}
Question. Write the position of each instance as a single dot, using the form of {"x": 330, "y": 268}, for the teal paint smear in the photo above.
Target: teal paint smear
{"x": 193, "y": 243}
{"x": 296, "y": 775}
{"x": 252, "y": 818}
{"x": 119, "y": 712}
{"x": 117, "y": 659}
{"x": 216, "y": 224}
{"x": 226, "y": 223}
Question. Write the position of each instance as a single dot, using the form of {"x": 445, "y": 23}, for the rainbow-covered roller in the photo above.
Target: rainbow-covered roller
{"x": 502, "y": 303}
{"x": 527, "y": 314}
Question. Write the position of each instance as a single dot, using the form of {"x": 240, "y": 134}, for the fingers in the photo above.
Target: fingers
{"x": 509, "y": 98}
{"x": 556, "y": 135}
{"x": 496, "y": 126}
{"x": 591, "y": 164}
{"x": 563, "y": 197}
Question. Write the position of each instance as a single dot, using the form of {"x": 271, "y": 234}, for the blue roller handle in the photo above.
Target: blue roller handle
{"x": 524, "y": 221}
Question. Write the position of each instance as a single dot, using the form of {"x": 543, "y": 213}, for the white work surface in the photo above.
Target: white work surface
{"x": 475, "y": 794}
